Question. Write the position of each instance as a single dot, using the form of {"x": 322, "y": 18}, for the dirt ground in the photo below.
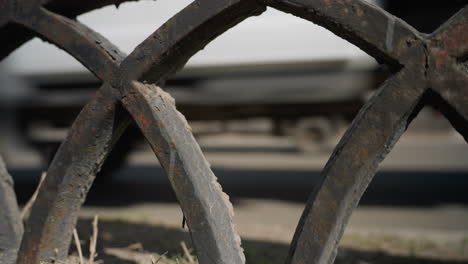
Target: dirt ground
{"x": 426, "y": 235}
{"x": 382, "y": 230}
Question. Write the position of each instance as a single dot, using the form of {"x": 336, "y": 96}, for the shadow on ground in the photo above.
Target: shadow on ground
{"x": 161, "y": 239}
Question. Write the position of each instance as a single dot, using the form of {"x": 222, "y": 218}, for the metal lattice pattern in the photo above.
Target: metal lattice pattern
{"x": 427, "y": 69}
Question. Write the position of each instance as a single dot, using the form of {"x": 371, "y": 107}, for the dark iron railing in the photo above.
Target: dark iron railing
{"x": 427, "y": 69}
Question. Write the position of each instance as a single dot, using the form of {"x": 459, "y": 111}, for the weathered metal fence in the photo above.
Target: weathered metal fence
{"x": 427, "y": 69}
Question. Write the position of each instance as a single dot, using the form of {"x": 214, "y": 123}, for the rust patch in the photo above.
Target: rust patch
{"x": 441, "y": 57}
{"x": 457, "y": 37}
{"x": 144, "y": 121}
{"x": 361, "y": 157}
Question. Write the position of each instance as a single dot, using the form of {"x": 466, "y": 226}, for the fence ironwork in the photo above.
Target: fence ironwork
{"x": 427, "y": 69}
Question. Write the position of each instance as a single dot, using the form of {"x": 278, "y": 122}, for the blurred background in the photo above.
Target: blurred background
{"x": 268, "y": 101}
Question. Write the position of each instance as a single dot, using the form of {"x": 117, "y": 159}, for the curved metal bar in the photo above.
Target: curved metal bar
{"x": 94, "y": 132}
{"x": 448, "y": 64}
{"x": 49, "y": 228}
{"x": 452, "y": 85}
{"x": 11, "y": 226}
{"x": 168, "y": 48}
{"x": 372, "y": 135}
{"x": 451, "y": 82}
{"x": 452, "y": 36}
{"x": 451, "y": 111}
{"x": 58, "y": 196}
{"x": 90, "y": 48}
{"x": 206, "y": 208}
{"x": 68, "y": 8}
{"x": 352, "y": 166}
{"x": 378, "y": 33}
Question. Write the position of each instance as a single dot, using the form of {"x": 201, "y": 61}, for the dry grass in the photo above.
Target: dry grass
{"x": 93, "y": 240}
{"x": 140, "y": 256}
{"x": 148, "y": 242}
{"x": 92, "y": 246}
{"x": 27, "y": 207}
{"x": 133, "y": 253}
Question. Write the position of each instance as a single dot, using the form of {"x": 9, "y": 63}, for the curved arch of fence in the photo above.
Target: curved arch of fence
{"x": 426, "y": 68}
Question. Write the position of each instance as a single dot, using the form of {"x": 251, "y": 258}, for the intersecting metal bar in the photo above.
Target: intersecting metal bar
{"x": 160, "y": 55}
{"x": 369, "y": 27}
{"x": 352, "y": 166}
{"x": 69, "y": 177}
{"x": 45, "y": 245}
{"x": 452, "y": 36}
{"x": 448, "y": 65}
{"x": 452, "y": 84}
{"x": 97, "y": 128}
{"x": 11, "y": 226}
{"x": 435, "y": 61}
{"x": 207, "y": 209}
{"x": 168, "y": 49}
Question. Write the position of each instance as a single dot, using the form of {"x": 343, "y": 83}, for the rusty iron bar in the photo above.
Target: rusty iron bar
{"x": 367, "y": 26}
{"x": 425, "y": 66}
{"x": 195, "y": 185}
{"x": 19, "y": 35}
{"x": 49, "y": 228}
{"x": 186, "y": 33}
{"x": 448, "y": 63}
{"x": 11, "y": 226}
{"x": 352, "y": 166}
{"x": 97, "y": 128}
{"x": 94, "y": 51}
